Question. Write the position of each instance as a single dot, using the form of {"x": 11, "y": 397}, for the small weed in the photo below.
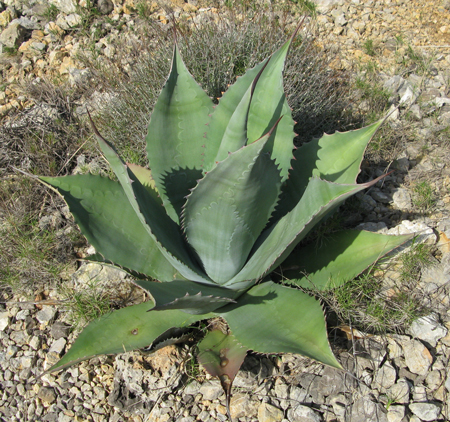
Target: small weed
{"x": 369, "y": 48}
{"x": 370, "y": 307}
{"x": 410, "y": 59}
{"x": 363, "y": 302}
{"x": 245, "y": 5}
{"x": 50, "y": 13}
{"x": 306, "y": 6}
{"x": 423, "y": 196}
{"x": 88, "y": 15}
{"x": 375, "y": 95}
{"x": 10, "y": 51}
{"x": 87, "y": 304}
{"x": 144, "y": 9}
{"x": 399, "y": 40}
{"x": 31, "y": 255}
{"x": 191, "y": 365}
{"x": 388, "y": 400}
{"x": 369, "y": 89}
{"x": 413, "y": 261}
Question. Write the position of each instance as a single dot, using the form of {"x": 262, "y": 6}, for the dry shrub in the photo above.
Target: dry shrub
{"x": 216, "y": 53}
{"x": 44, "y": 138}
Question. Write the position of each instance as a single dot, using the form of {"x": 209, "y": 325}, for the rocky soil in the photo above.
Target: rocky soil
{"x": 394, "y": 377}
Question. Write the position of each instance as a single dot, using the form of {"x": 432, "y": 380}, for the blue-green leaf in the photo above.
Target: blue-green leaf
{"x": 271, "y": 318}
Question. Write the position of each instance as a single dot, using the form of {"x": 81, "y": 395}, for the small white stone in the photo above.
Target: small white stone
{"x": 269, "y": 413}
{"x": 425, "y": 411}
{"x": 303, "y": 413}
{"x": 396, "y": 413}
{"x": 447, "y": 382}
{"x": 58, "y": 346}
{"x": 385, "y": 376}
{"x": 400, "y": 391}
{"x": 4, "y": 320}
{"x": 428, "y": 329}
{"x": 46, "y": 314}
{"x": 417, "y": 357}
{"x": 22, "y": 314}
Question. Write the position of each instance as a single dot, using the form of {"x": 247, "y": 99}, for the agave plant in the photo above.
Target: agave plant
{"x": 225, "y": 202}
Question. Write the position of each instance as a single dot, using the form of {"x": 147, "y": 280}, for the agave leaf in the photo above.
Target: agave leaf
{"x": 122, "y": 331}
{"x": 161, "y": 228}
{"x": 336, "y": 158}
{"x": 190, "y": 297}
{"x": 278, "y": 241}
{"x": 195, "y": 304}
{"x": 144, "y": 175}
{"x": 223, "y": 113}
{"x": 173, "y": 335}
{"x": 235, "y": 136}
{"x": 229, "y": 208}
{"x": 108, "y": 221}
{"x": 267, "y": 106}
{"x": 270, "y": 318}
{"x": 222, "y": 356}
{"x": 175, "y": 140}
{"x": 340, "y": 257}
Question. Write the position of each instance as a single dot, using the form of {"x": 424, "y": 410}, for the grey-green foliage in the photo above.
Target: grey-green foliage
{"x": 224, "y": 205}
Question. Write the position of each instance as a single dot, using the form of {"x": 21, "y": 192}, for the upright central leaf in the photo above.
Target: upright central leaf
{"x": 175, "y": 140}
{"x": 268, "y": 105}
{"x": 230, "y": 207}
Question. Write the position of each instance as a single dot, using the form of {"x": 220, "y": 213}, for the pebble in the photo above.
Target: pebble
{"x": 241, "y": 405}
{"x": 302, "y": 413}
{"x": 45, "y": 315}
{"x": 400, "y": 391}
{"x": 269, "y": 413}
{"x": 396, "y": 413}
{"x": 401, "y": 199}
{"x": 385, "y": 377}
{"x": 211, "y": 390}
{"x": 428, "y": 329}
{"x": 425, "y": 411}
{"x": 417, "y": 357}
{"x": 4, "y": 320}
{"x": 366, "y": 410}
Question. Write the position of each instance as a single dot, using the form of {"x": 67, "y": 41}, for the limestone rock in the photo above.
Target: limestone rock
{"x": 303, "y": 414}
{"x": 401, "y": 199}
{"x": 396, "y": 413}
{"x": 385, "y": 377}
{"x": 105, "y": 7}
{"x": 46, "y": 314}
{"x": 211, "y": 390}
{"x": 13, "y": 35}
{"x": 433, "y": 380}
{"x": 269, "y": 413}
{"x": 6, "y": 17}
{"x": 424, "y": 233}
{"x": 4, "y": 320}
{"x": 47, "y": 394}
{"x": 428, "y": 329}
{"x": 366, "y": 410}
{"x": 66, "y": 6}
{"x": 241, "y": 405}
{"x": 74, "y": 19}
{"x": 425, "y": 411}
{"x": 417, "y": 357}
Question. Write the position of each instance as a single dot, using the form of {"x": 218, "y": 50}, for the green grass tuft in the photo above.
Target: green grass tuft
{"x": 424, "y": 197}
